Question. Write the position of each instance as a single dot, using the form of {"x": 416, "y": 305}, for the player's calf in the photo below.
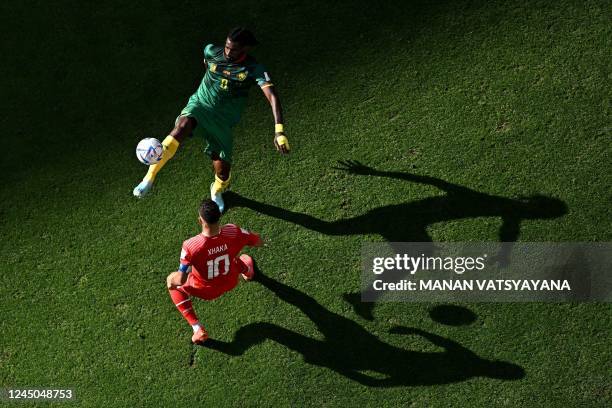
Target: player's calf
{"x": 182, "y": 301}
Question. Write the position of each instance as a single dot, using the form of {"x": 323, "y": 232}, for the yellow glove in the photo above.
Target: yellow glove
{"x": 282, "y": 143}
{"x": 280, "y": 140}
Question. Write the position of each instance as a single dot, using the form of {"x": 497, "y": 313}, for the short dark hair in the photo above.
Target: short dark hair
{"x": 243, "y": 36}
{"x": 209, "y": 211}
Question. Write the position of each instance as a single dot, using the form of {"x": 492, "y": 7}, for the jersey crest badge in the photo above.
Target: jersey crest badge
{"x": 241, "y": 76}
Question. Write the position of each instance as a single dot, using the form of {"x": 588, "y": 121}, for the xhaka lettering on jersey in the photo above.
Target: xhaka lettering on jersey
{"x": 217, "y": 249}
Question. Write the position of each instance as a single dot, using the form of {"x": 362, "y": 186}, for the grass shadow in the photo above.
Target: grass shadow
{"x": 353, "y": 352}
{"x": 408, "y": 221}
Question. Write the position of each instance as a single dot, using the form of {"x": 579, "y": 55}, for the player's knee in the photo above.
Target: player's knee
{"x": 223, "y": 170}
{"x": 169, "y": 280}
{"x": 183, "y": 128}
{"x": 224, "y": 174}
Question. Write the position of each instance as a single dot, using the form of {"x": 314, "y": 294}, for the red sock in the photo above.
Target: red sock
{"x": 183, "y": 303}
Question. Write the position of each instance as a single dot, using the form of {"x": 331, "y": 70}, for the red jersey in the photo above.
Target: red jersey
{"x": 213, "y": 259}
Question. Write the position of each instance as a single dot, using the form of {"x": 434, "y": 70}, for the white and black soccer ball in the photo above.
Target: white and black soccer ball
{"x": 149, "y": 151}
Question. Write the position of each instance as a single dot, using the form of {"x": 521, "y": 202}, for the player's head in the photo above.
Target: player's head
{"x": 502, "y": 370}
{"x": 209, "y": 212}
{"x": 239, "y": 41}
{"x": 539, "y": 206}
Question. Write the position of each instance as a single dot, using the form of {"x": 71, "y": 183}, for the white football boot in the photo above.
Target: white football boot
{"x": 142, "y": 189}
{"x": 217, "y": 198}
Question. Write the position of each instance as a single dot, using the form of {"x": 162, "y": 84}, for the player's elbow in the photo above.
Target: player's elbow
{"x": 271, "y": 99}
{"x": 270, "y": 94}
{"x": 274, "y": 99}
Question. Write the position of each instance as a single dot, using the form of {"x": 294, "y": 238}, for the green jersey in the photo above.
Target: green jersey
{"x": 220, "y": 99}
{"x": 225, "y": 85}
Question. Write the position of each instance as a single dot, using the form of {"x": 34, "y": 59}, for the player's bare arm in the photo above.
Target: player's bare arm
{"x": 277, "y": 111}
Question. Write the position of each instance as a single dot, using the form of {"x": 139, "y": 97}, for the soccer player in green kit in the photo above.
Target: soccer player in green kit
{"x": 215, "y": 108}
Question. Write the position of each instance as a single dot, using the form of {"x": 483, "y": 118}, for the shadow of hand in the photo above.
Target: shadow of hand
{"x": 363, "y": 309}
{"x": 354, "y": 167}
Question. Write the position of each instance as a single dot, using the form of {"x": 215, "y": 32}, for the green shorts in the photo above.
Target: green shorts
{"x": 214, "y": 129}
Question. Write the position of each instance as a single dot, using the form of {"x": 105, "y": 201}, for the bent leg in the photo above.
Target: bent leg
{"x": 256, "y": 333}
{"x": 183, "y": 128}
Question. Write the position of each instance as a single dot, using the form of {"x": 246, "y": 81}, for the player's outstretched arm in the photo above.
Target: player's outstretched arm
{"x": 259, "y": 243}
{"x": 355, "y": 167}
{"x": 280, "y": 139}
{"x": 252, "y": 239}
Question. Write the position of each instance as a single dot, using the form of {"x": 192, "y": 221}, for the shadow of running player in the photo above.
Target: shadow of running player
{"x": 350, "y": 350}
{"x": 408, "y": 221}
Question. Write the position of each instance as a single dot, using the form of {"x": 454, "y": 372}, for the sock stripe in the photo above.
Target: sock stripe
{"x": 180, "y": 303}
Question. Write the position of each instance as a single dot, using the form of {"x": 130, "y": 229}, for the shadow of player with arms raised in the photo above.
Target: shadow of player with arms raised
{"x": 350, "y": 350}
{"x": 408, "y": 221}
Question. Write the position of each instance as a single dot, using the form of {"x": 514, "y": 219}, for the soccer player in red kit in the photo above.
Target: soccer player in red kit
{"x": 210, "y": 265}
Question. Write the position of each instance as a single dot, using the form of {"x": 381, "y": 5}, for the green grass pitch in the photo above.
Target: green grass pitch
{"x": 510, "y": 99}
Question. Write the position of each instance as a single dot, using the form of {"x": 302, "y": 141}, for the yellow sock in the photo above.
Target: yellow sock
{"x": 170, "y": 146}
{"x": 220, "y": 186}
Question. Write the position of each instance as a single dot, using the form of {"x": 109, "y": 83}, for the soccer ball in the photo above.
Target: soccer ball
{"x": 149, "y": 151}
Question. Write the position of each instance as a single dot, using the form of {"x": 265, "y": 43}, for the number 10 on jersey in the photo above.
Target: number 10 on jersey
{"x": 214, "y": 266}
